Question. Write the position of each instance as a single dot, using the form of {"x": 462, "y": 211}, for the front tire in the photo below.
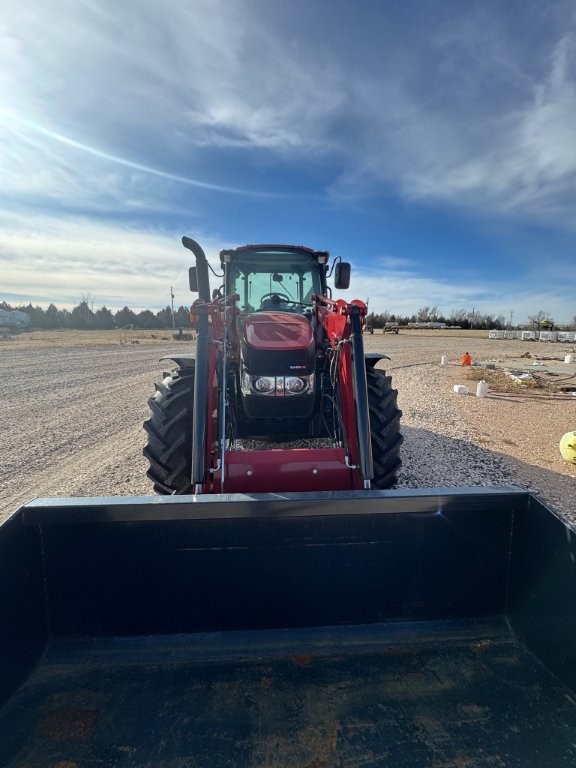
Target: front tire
{"x": 384, "y": 427}
{"x": 169, "y": 430}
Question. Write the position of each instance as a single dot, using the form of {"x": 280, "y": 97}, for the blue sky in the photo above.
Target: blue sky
{"x": 430, "y": 143}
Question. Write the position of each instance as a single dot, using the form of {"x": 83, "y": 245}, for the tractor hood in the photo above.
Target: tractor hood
{"x": 278, "y": 344}
{"x": 277, "y": 331}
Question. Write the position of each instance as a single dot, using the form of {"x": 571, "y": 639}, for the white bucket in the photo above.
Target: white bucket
{"x": 460, "y": 389}
{"x": 443, "y": 360}
{"x": 569, "y": 359}
{"x": 482, "y": 388}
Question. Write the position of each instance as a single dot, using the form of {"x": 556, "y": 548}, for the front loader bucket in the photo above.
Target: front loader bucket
{"x": 385, "y": 627}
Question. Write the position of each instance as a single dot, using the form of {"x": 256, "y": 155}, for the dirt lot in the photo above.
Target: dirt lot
{"x": 73, "y": 406}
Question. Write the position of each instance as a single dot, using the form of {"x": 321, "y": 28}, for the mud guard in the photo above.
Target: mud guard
{"x": 371, "y": 358}
{"x": 182, "y": 361}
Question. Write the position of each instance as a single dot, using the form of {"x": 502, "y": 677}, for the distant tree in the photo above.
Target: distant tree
{"x": 164, "y": 318}
{"x": 103, "y": 319}
{"x": 36, "y": 314}
{"x": 474, "y": 319}
{"x": 427, "y": 314}
{"x": 485, "y": 322}
{"x": 82, "y": 317}
{"x": 146, "y": 319}
{"x": 53, "y": 318}
{"x": 379, "y": 320}
{"x": 182, "y": 318}
{"x": 124, "y": 317}
{"x": 458, "y": 317}
{"x": 541, "y": 320}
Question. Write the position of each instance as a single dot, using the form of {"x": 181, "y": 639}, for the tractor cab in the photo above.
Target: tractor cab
{"x": 274, "y": 288}
{"x": 274, "y": 278}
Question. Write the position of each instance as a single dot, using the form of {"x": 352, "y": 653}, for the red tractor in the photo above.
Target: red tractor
{"x": 278, "y": 360}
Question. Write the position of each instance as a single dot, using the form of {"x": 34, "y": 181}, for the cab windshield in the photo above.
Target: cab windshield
{"x": 282, "y": 281}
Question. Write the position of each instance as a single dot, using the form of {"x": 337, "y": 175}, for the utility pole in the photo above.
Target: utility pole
{"x": 173, "y": 317}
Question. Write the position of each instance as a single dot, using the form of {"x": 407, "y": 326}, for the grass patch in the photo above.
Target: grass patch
{"x": 497, "y": 380}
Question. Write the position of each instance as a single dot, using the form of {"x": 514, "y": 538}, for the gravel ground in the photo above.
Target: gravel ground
{"x": 72, "y": 420}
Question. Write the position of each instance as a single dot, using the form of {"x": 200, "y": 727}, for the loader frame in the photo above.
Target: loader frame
{"x": 347, "y": 465}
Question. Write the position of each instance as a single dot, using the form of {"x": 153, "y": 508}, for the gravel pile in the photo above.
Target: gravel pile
{"x": 438, "y": 448}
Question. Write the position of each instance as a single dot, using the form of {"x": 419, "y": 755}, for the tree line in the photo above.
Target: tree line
{"x": 84, "y": 317}
{"x": 468, "y": 319}
{"x": 462, "y": 318}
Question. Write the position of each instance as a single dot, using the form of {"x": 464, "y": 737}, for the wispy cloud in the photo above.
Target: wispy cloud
{"x": 405, "y": 294}
{"x": 208, "y": 74}
{"x": 530, "y": 163}
{"x": 117, "y": 264}
{"x": 465, "y": 119}
{"x": 488, "y": 134}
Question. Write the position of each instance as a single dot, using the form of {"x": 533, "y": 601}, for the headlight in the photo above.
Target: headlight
{"x": 264, "y": 384}
{"x": 294, "y": 384}
{"x": 276, "y": 386}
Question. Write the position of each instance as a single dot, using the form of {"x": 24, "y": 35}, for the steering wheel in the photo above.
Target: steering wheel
{"x": 276, "y": 298}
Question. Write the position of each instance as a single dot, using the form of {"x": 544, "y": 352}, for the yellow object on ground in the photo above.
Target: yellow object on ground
{"x": 568, "y": 447}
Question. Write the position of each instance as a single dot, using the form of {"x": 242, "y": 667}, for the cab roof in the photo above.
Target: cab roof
{"x": 273, "y": 248}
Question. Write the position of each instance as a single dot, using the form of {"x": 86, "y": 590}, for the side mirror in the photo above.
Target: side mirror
{"x": 193, "y": 279}
{"x": 342, "y": 275}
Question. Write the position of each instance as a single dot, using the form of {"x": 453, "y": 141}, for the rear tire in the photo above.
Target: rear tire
{"x": 169, "y": 430}
{"x": 384, "y": 427}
